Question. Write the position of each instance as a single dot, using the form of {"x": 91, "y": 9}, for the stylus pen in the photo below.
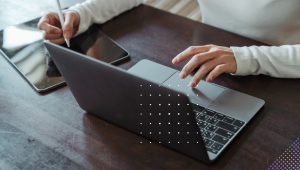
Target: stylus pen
{"x": 61, "y": 18}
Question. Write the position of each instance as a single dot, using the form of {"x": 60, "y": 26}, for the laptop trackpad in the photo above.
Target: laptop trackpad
{"x": 204, "y": 93}
{"x": 151, "y": 71}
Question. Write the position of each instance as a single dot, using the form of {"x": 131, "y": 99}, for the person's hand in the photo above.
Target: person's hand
{"x": 51, "y": 27}
{"x": 210, "y": 58}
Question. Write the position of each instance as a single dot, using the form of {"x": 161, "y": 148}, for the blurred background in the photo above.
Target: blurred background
{"x": 26, "y": 10}
{"x": 185, "y": 8}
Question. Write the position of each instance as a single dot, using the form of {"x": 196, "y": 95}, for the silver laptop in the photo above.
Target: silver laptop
{"x": 151, "y": 100}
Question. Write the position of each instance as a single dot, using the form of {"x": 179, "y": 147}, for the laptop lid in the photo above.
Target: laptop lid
{"x": 143, "y": 107}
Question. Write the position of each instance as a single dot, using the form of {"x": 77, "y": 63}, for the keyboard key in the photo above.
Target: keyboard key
{"x": 197, "y": 107}
{"x": 208, "y": 134}
{"x": 227, "y": 126}
{"x": 211, "y": 128}
{"x": 217, "y": 146}
{"x": 202, "y": 124}
{"x": 238, "y": 123}
{"x": 212, "y": 150}
{"x": 208, "y": 142}
{"x": 197, "y": 114}
{"x": 212, "y": 120}
{"x": 202, "y": 117}
{"x": 201, "y": 131}
{"x": 220, "y": 139}
{"x": 209, "y": 112}
{"x": 224, "y": 133}
{"x": 219, "y": 116}
{"x": 228, "y": 119}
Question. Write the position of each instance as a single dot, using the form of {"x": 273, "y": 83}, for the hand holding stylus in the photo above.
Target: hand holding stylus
{"x": 54, "y": 31}
{"x": 61, "y": 19}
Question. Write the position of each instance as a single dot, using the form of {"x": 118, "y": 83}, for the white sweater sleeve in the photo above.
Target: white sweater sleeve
{"x": 100, "y": 11}
{"x": 282, "y": 61}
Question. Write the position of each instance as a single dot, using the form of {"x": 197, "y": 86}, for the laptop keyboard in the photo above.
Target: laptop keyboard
{"x": 216, "y": 128}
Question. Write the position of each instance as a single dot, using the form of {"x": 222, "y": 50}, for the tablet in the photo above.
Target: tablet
{"x": 22, "y": 45}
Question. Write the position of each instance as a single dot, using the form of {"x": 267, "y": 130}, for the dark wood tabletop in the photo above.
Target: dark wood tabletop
{"x": 50, "y": 131}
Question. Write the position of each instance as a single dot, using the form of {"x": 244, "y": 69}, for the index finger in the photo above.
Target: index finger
{"x": 191, "y": 51}
{"x": 49, "y": 28}
{"x": 44, "y": 24}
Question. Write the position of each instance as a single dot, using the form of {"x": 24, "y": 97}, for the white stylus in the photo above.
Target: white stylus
{"x": 61, "y": 18}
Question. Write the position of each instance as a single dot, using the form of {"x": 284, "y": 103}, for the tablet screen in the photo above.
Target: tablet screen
{"x": 23, "y": 46}
{"x": 96, "y": 44}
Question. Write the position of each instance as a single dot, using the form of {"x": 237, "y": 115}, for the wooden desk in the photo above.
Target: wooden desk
{"x": 50, "y": 131}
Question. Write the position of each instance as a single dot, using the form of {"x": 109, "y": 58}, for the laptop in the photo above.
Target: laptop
{"x": 151, "y": 100}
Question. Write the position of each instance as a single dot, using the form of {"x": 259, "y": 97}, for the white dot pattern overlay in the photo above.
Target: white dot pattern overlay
{"x": 159, "y": 122}
{"x": 290, "y": 159}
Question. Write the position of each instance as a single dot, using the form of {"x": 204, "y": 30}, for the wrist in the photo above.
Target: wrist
{"x": 242, "y": 61}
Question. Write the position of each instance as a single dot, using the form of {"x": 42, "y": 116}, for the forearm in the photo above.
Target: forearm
{"x": 283, "y": 61}
{"x": 100, "y": 11}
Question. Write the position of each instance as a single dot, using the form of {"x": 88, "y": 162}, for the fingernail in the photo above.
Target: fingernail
{"x": 67, "y": 34}
{"x": 208, "y": 79}
{"x": 182, "y": 75}
{"x": 175, "y": 61}
{"x": 57, "y": 31}
{"x": 192, "y": 84}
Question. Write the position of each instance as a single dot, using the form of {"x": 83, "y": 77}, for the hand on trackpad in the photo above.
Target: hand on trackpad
{"x": 204, "y": 93}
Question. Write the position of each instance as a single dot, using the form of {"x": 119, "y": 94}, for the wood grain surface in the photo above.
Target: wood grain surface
{"x": 50, "y": 131}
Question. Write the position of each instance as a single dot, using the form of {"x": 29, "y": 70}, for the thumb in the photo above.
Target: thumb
{"x": 68, "y": 26}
